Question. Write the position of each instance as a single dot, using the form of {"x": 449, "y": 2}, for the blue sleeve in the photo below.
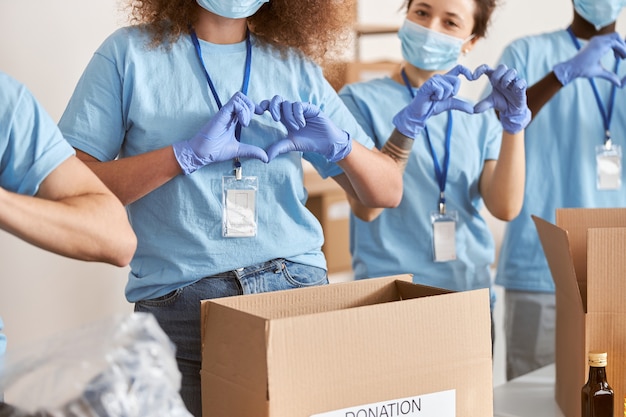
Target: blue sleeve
{"x": 96, "y": 106}
{"x": 31, "y": 144}
{"x": 353, "y": 106}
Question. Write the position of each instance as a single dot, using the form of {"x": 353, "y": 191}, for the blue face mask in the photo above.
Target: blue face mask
{"x": 599, "y": 13}
{"x": 428, "y": 49}
{"x": 233, "y": 9}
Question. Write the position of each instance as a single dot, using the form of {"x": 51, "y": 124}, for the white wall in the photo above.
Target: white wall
{"x": 46, "y": 45}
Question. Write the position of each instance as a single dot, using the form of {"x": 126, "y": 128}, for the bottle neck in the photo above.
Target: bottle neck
{"x": 597, "y": 374}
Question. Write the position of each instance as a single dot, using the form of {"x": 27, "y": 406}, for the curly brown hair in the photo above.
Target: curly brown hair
{"x": 317, "y": 28}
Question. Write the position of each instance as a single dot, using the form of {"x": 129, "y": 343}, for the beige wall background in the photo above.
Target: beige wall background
{"x": 46, "y": 45}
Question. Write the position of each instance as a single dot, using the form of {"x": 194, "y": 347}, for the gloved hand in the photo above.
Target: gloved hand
{"x": 308, "y": 130}
{"x": 508, "y": 97}
{"x": 216, "y": 141}
{"x": 587, "y": 62}
{"x": 435, "y": 96}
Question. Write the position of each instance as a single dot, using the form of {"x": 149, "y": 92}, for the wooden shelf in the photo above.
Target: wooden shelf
{"x": 361, "y": 30}
{"x": 369, "y": 29}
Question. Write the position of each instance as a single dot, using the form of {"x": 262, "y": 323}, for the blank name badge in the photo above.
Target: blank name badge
{"x": 239, "y": 217}
{"x": 609, "y": 167}
{"x": 444, "y": 236}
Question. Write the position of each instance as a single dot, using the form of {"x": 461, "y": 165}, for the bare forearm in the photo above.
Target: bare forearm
{"x": 133, "y": 177}
{"x": 398, "y": 147}
{"x": 90, "y": 227}
{"x": 373, "y": 178}
{"x": 503, "y": 181}
{"x": 541, "y": 92}
{"x": 73, "y": 214}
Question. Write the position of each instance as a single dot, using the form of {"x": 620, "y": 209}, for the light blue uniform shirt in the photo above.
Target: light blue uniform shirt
{"x": 31, "y": 145}
{"x": 400, "y": 239}
{"x": 133, "y": 99}
{"x": 560, "y": 155}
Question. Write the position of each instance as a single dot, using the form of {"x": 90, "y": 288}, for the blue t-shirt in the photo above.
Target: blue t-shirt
{"x": 31, "y": 145}
{"x": 400, "y": 239}
{"x": 133, "y": 98}
{"x": 560, "y": 155}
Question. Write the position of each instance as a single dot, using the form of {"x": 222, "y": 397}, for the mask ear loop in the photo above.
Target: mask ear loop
{"x": 466, "y": 40}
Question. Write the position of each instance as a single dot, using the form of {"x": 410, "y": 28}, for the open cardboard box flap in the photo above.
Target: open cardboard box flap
{"x": 586, "y": 252}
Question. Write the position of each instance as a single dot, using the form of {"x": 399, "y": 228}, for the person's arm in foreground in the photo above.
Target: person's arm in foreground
{"x": 370, "y": 177}
{"x": 133, "y": 177}
{"x": 73, "y": 214}
{"x": 502, "y": 181}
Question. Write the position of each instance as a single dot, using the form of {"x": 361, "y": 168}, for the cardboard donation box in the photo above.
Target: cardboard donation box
{"x": 377, "y": 347}
{"x": 586, "y": 251}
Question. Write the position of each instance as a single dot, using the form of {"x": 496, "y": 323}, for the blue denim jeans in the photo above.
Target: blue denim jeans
{"x": 178, "y": 312}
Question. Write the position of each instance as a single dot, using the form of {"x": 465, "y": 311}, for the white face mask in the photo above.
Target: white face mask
{"x": 428, "y": 49}
{"x": 599, "y": 13}
{"x": 233, "y": 9}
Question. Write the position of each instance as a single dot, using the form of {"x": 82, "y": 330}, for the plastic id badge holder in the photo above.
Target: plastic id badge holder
{"x": 444, "y": 235}
{"x": 239, "y": 217}
{"x": 609, "y": 167}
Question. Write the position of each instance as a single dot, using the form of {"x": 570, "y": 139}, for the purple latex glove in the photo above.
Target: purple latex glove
{"x": 435, "y": 96}
{"x": 508, "y": 97}
{"x": 216, "y": 141}
{"x": 308, "y": 130}
{"x": 587, "y": 62}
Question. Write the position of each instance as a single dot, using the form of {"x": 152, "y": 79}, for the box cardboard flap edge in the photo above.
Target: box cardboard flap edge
{"x": 243, "y": 321}
{"x": 317, "y": 299}
{"x": 555, "y": 243}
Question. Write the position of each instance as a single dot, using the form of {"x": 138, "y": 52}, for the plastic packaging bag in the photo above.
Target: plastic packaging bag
{"x": 120, "y": 367}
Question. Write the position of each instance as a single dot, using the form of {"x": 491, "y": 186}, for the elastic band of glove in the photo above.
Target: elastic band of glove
{"x": 405, "y": 125}
{"x": 341, "y": 153}
{"x": 562, "y": 74}
{"x": 187, "y": 158}
{"x": 515, "y": 123}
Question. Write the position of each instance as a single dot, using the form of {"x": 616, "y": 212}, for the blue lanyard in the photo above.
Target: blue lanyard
{"x": 606, "y": 115}
{"x": 244, "y": 86}
{"x": 441, "y": 174}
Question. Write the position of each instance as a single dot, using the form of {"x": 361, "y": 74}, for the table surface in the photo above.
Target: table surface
{"x": 531, "y": 395}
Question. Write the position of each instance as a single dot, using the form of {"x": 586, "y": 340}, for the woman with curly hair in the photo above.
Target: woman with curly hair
{"x": 198, "y": 117}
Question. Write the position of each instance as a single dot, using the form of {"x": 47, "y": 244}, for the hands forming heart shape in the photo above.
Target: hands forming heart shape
{"x": 437, "y": 94}
{"x": 308, "y": 130}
